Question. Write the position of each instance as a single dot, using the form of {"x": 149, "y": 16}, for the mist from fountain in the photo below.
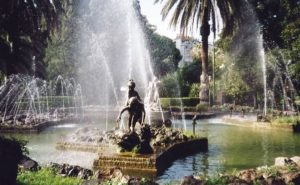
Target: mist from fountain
{"x": 113, "y": 50}
{"x": 247, "y": 51}
{"x": 278, "y": 65}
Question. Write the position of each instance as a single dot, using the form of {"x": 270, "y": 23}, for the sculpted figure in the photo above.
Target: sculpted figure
{"x": 136, "y": 111}
{"x": 132, "y": 92}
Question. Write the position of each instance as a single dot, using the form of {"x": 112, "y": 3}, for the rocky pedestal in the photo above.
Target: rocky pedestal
{"x": 148, "y": 151}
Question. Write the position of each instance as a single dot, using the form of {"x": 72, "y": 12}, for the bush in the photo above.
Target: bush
{"x": 201, "y": 107}
{"x": 184, "y": 109}
{"x": 170, "y": 86}
{"x": 185, "y": 102}
{"x": 11, "y": 152}
{"x": 287, "y": 120}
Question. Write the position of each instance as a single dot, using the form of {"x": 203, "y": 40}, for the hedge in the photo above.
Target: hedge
{"x": 54, "y": 101}
{"x": 174, "y": 102}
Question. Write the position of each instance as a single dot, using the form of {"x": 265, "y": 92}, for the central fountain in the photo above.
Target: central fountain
{"x": 113, "y": 49}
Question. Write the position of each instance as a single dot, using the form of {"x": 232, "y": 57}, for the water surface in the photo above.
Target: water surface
{"x": 230, "y": 148}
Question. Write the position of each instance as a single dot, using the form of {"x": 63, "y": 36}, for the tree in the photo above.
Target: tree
{"x": 280, "y": 24}
{"x": 198, "y": 13}
{"x": 164, "y": 54}
{"x": 61, "y": 57}
{"x": 24, "y": 29}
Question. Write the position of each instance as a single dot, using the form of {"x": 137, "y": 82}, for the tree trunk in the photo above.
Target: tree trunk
{"x": 204, "y": 80}
{"x": 284, "y": 94}
{"x": 254, "y": 100}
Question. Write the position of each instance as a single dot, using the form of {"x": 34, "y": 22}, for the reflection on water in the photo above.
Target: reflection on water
{"x": 42, "y": 146}
{"x": 230, "y": 148}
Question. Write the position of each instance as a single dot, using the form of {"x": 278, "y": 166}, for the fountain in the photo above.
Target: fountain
{"x": 113, "y": 49}
{"x": 29, "y": 103}
{"x": 264, "y": 71}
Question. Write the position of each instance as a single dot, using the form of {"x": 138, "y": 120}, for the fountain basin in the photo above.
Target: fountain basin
{"x": 151, "y": 164}
{"x": 252, "y": 122}
{"x": 35, "y": 128}
{"x": 191, "y": 115}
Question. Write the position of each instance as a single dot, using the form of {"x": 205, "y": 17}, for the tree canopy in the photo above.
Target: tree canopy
{"x": 25, "y": 27}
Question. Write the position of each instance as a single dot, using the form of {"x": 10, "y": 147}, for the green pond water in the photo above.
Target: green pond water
{"x": 230, "y": 148}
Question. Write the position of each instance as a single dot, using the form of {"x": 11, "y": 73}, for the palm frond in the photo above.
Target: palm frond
{"x": 192, "y": 13}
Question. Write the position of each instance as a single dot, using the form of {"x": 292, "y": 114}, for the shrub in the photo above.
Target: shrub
{"x": 10, "y": 155}
{"x": 289, "y": 120}
{"x": 201, "y": 107}
{"x": 185, "y": 102}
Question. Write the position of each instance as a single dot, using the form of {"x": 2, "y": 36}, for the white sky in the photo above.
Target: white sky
{"x": 152, "y": 12}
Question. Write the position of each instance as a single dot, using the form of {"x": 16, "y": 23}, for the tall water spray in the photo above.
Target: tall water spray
{"x": 113, "y": 50}
{"x": 249, "y": 53}
{"x": 264, "y": 70}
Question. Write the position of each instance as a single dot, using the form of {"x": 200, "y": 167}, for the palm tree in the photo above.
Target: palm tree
{"x": 25, "y": 26}
{"x": 201, "y": 14}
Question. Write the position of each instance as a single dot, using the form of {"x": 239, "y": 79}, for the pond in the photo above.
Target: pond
{"x": 230, "y": 148}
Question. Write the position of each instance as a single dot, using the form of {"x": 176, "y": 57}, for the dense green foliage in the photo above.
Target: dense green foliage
{"x": 182, "y": 81}
{"x": 240, "y": 77}
{"x": 164, "y": 55}
{"x": 25, "y": 27}
{"x": 280, "y": 21}
{"x": 61, "y": 54}
{"x": 45, "y": 176}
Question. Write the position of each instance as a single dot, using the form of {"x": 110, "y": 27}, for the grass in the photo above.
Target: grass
{"x": 286, "y": 120}
{"x": 216, "y": 179}
{"x": 269, "y": 170}
{"x": 45, "y": 176}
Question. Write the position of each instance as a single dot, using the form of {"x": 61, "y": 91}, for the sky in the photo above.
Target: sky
{"x": 152, "y": 12}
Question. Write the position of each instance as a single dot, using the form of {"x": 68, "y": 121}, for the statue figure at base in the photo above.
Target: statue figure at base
{"x": 132, "y": 92}
{"x": 136, "y": 111}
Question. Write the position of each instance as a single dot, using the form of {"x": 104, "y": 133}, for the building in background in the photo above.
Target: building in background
{"x": 185, "y": 45}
